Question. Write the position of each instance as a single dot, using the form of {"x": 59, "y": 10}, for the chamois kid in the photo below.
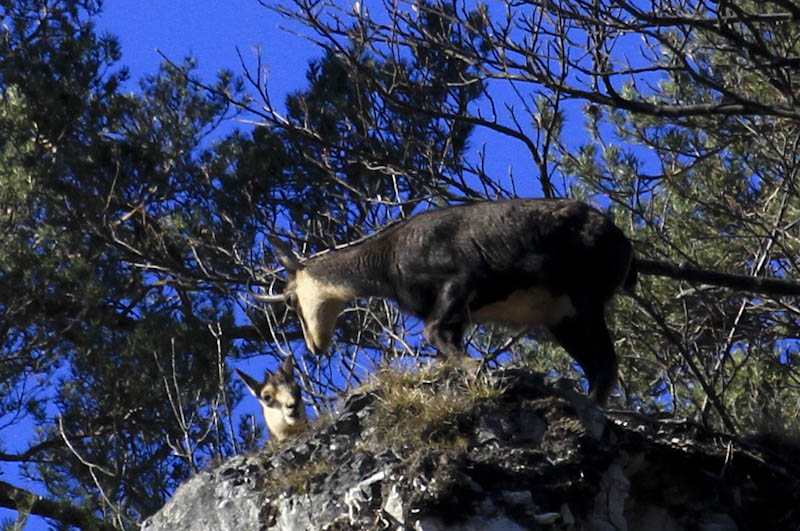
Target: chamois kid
{"x": 551, "y": 264}
{"x": 279, "y": 395}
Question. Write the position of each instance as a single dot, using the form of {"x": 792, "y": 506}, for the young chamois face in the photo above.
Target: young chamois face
{"x": 279, "y": 395}
{"x": 317, "y": 303}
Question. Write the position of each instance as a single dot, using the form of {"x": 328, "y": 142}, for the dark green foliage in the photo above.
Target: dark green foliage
{"x": 108, "y": 221}
{"x": 690, "y": 141}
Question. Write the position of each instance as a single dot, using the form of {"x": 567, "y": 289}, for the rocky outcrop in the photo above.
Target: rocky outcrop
{"x": 507, "y": 453}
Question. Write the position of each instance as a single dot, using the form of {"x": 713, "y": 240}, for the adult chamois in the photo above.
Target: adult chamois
{"x": 544, "y": 263}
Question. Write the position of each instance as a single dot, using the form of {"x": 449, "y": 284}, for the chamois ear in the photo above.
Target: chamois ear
{"x": 287, "y": 367}
{"x": 285, "y": 254}
{"x": 252, "y": 384}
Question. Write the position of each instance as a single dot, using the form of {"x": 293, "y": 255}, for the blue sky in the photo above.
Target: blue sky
{"x": 209, "y": 30}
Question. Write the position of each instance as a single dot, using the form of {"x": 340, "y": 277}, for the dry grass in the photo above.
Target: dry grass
{"x": 299, "y": 478}
{"x": 424, "y": 408}
{"x": 415, "y": 409}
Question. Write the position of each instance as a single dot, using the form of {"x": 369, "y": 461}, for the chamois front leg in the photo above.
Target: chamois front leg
{"x": 444, "y": 327}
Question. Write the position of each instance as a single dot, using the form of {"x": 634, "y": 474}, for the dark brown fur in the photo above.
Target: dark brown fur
{"x": 485, "y": 259}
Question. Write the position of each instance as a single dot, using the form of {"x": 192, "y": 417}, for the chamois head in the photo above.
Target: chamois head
{"x": 317, "y": 303}
{"x": 279, "y": 395}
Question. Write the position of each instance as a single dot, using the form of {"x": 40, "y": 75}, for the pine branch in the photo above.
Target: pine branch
{"x": 766, "y": 286}
{"x": 12, "y": 497}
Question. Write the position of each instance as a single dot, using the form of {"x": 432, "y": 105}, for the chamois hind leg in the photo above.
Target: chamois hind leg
{"x": 444, "y": 327}
{"x": 585, "y": 337}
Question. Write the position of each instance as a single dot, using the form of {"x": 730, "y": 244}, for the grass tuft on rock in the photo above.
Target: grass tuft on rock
{"x": 428, "y": 407}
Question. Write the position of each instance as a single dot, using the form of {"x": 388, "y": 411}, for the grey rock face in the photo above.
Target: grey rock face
{"x": 227, "y": 499}
{"x": 524, "y": 456}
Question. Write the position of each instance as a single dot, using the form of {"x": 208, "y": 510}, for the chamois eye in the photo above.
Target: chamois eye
{"x": 268, "y": 400}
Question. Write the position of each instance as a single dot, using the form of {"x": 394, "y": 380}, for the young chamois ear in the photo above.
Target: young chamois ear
{"x": 279, "y": 395}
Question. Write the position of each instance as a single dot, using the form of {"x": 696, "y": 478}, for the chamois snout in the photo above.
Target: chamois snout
{"x": 290, "y": 406}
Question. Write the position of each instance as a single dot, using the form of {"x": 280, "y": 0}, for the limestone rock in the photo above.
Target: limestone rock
{"x": 510, "y": 454}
